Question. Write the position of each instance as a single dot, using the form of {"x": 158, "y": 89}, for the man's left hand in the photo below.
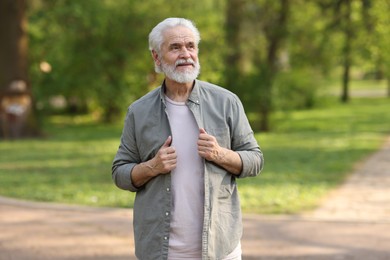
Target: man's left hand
{"x": 208, "y": 147}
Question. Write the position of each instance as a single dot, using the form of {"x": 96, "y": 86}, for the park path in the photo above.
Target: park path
{"x": 365, "y": 195}
{"x": 352, "y": 223}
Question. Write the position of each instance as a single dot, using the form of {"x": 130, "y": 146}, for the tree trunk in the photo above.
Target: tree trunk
{"x": 275, "y": 36}
{"x": 347, "y": 53}
{"x": 17, "y": 116}
{"x": 234, "y": 17}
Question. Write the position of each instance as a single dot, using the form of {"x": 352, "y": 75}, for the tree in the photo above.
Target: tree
{"x": 101, "y": 56}
{"x": 275, "y": 32}
{"x": 348, "y": 36}
{"x": 233, "y": 29}
{"x": 258, "y": 30}
{"x": 17, "y": 113}
{"x": 351, "y": 19}
{"x": 380, "y": 44}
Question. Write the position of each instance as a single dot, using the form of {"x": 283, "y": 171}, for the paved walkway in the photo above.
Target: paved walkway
{"x": 353, "y": 223}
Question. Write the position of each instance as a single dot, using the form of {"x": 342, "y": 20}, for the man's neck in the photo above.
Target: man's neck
{"x": 178, "y": 92}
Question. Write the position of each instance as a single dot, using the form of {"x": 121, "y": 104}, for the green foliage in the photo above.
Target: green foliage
{"x": 98, "y": 48}
{"x": 311, "y": 43}
{"x": 296, "y": 90}
{"x": 99, "y": 53}
{"x": 379, "y": 43}
{"x": 100, "y": 61}
{"x": 308, "y": 154}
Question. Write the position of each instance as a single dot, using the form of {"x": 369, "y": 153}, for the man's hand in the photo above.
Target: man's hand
{"x": 209, "y": 149}
{"x": 165, "y": 160}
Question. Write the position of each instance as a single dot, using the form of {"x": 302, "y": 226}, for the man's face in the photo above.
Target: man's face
{"x": 179, "y": 55}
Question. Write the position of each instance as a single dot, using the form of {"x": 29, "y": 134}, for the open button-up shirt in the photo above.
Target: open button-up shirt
{"x": 146, "y": 127}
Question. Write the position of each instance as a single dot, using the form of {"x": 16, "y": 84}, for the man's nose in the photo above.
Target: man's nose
{"x": 184, "y": 53}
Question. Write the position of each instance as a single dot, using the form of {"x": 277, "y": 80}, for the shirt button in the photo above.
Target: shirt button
{"x": 168, "y": 189}
{"x": 166, "y": 213}
{"x": 165, "y": 238}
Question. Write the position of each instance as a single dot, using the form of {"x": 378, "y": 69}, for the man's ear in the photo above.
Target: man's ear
{"x": 156, "y": 58}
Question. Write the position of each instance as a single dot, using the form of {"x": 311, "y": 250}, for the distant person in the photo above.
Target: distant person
{"x": 182, "y": 148}
{"x": 14, "y": 108}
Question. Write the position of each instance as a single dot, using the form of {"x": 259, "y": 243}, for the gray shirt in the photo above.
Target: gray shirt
{"x": 221, "y": 114}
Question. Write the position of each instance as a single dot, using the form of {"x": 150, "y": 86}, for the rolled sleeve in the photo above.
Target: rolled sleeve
{"x": 126, "y": 157}
{"x": 245, "y": 143}
{"x": 121, "y": 176}
{"x": 252, "y": 163}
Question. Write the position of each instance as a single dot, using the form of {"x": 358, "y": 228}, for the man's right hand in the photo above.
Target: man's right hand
{"x": 162, "y": 163}
{"x": 165, "y": 160}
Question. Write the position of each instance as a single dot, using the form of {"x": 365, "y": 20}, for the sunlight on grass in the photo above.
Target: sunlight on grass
{"x": 308, "y": 154}
{"x": 311, "y": 152}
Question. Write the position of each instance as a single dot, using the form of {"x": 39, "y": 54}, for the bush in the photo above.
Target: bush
{"x": 296, "y": 89}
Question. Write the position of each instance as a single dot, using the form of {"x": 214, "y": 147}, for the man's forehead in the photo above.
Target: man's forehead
{"x": 178, "y": 34}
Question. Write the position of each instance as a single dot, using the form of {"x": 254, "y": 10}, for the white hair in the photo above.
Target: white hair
{"x": 156, "y": 38}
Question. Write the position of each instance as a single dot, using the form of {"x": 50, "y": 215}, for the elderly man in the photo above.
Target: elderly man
{"x": 183, "y": 146}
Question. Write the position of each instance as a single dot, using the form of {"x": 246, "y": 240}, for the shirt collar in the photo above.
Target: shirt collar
{"x": 194, "y": 96}
{"x": 162, "y": 91}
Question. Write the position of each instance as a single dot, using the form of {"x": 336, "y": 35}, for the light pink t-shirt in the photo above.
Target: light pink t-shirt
{"x": 185, "y": 239}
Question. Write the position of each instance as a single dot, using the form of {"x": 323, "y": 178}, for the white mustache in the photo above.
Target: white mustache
{"x": 182, "y": 61}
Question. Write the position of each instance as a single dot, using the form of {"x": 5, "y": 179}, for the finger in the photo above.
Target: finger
{"x": 170, "y": 150}
{"x": 168, "y": 142}
{"x": 203, "y": 135}
{"x": 201, "y": 142}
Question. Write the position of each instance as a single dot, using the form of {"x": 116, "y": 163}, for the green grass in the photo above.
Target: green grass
{"x": 308, "y": 154}
{"x": 357, "y": 87}
{"x": 71, "y": 165}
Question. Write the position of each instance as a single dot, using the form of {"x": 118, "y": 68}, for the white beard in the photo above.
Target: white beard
{"x": 186, "y": 76}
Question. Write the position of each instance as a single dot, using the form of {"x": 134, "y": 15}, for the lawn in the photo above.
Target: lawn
{"x": 308, "y": 154}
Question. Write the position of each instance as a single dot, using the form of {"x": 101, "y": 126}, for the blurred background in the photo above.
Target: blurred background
{"x": 313, "y": 77}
